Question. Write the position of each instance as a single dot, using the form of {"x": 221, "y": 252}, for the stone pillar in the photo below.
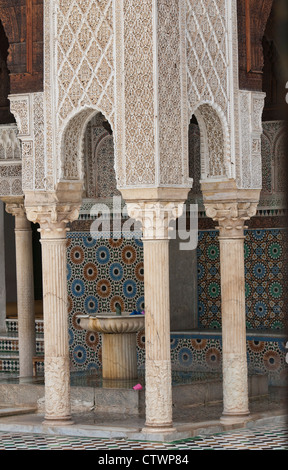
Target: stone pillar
{"x": 155, "y": 218}
{"x": 231, "y": 217}
{"x": 53, "y": 227}
{"x": 25, "y": 288}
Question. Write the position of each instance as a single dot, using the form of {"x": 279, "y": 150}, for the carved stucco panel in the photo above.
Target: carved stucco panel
{"x": 172, "y": 96}
{"x": 11, "y": 180}
{"x": 249, "y": 162}
{"x": 212, "y": 79}
{"x": 207, "y": 53}
{"x": 84, "y": 65}
{"x": 10, "y": 161}
{"x": 29, "y": 114}
{"x": 137, "y": 47}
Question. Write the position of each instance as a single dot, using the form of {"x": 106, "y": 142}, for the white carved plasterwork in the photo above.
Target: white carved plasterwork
{"x": 249, "y": 163}
{"x": 212, "y": 64}
{"x": 84, "y": 58}
{"x": 79, "y": 44}
{"x": 172, "y": 95}
{"x": 28, "y": 110}
{"x": 151, "y": 93}
{"x": 11, "y": 179}
{"x": 10, "y": 161}
{"x": 274, "y": 171}
{"x": 99, "y": 158}
{"x": 207, "y": 53}
{"x": 10, "y": 148}
{"x": 137, "y": 50}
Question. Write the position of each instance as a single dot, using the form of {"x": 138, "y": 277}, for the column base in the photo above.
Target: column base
{"x": 158, "y": 429}
{"x": 58, "y": 421}
{"x": 234, "y": 418}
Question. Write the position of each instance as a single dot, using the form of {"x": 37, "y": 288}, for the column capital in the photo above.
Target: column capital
{"x": 155, "y": 217}
{"x": 16, "y": 208}
{"x": 53, "y": 219}
{"x": 231, "y": 216}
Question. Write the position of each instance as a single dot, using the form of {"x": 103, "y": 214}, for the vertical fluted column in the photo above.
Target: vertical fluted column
{"x": 25, "y": 289}
{"x": 157, "y": 334}
{"x": 235, "y": 373}
{"x": 231, "y": 218}
{"x": 53, "y": 227}
{"x": 155, "y": 218}
{"x": 57, "y": 369}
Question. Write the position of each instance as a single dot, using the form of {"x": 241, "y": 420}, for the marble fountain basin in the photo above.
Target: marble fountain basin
{"x": 112, "y": 324}
{"x": 119, "y": 349}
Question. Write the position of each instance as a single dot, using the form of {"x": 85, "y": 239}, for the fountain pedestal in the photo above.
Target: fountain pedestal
{"x": 119, "y": 354}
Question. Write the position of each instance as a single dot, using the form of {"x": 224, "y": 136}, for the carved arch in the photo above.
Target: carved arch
{"x": 72, "y": 160}
{"x": 214, "y": 142}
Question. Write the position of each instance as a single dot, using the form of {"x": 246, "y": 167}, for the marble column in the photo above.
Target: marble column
{"x": 155, "y": 218}
{"x": 25, "y": 288}
{"x": 231, "y": 218}
{"x": 53, "y": 227}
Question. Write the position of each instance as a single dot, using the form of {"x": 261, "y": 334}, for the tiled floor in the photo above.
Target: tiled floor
{"x": 268, "y": 437}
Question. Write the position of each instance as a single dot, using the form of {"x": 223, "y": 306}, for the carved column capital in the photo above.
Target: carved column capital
{"x": 17, "y": 209}
{"x": 231, "y": 216}
{"x": 155, "y": 217}
{"x": 53, "y": 219}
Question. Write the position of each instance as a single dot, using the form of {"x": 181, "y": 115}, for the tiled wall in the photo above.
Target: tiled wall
{"x": 101, "y": 273}
{"x": 264, "y": 279}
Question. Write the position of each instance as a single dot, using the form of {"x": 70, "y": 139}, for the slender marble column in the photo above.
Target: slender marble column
{"x": 53, "y": 221}
{"x": 231, "y": 218}
{"x": 155, "y": 218}
{"x": 157, "y": 334}
{"x": 25, "y": 289}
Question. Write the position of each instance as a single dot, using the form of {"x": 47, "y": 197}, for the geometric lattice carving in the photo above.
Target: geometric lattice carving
{"x": 85, "y": 56}
{"x": 207, "y": 82}
{"x": 85, "y": 74}
{"x": 207, "y": 52}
